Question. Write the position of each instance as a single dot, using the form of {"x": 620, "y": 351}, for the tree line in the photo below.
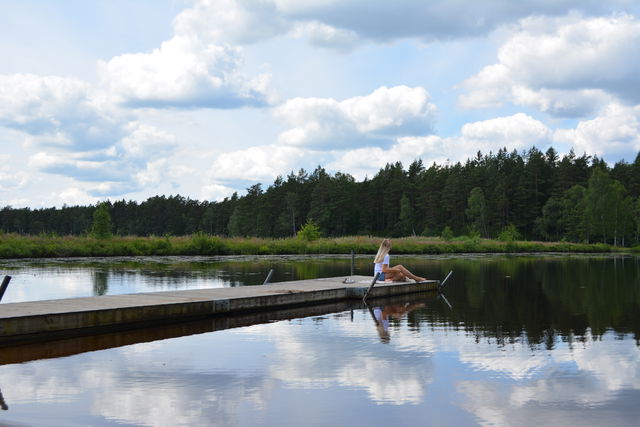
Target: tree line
{"x": 539, "y": 195}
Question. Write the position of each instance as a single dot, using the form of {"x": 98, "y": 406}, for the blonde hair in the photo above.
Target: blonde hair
{"x": 385, "y": 246}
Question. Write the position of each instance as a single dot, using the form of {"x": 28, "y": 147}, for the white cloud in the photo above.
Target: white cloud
{"x": 215, "y": 192}
{"x": 373, "y": 119}
{"x": 78, "y": 134}
{"x": 324, "y": 35}
{"x": 231, "y": 21}
{"x": 128, "y": 164}
{"x": 257, "y": 163}
{"x": 57, "y": 111}
{"x": 516, "y": 132}
{"x": 332, "y": 23}
{"x": 183, "y": 72}
{"x": 264, "y": 163}
{"x": 145, "y": 142}
{"x": 11, "y": 179}
{"x": 616, "y": 132}
{"x": 75, "y": 197}
{"x": 319, "y": 124}
{"x": 569, "y": 66}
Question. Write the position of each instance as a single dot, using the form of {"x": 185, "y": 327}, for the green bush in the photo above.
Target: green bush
{"x": 201, "y": 244}
{"x": 447, "y": 234}
{"x": 309, "y": 232}
{"x": 509, "y": 234}
{"x": 473, "y": 234}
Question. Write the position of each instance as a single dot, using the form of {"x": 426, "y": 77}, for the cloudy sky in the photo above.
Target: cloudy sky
{"x": 113, "y": 99}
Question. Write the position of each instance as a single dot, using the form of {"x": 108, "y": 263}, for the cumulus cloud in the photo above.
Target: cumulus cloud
{"x": 615, "y": 132}
{"x": 264, "y": 163}
{"x": 183, "y": 72}
{"x": 58, "y": 111}
{"x": 74, "y": 196}
{"x": 516, "y": 132}
{"x": 568, "y": 67}
{"x": 322, "y": 129}
{"x": 78, "y": 133}
{"x": 323, "y": 35}
{"x": 11, "y": 179}
{"x": 215, "y": 191}
{"x": 373, "y": 119}
{"x": 339, "y": 24}
{"x": 256, "y": 163}
{"x": 120, "y": 164}
{"x": 232, "y": 21}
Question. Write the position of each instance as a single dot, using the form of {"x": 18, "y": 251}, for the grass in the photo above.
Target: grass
{"x": 51, "y": 246}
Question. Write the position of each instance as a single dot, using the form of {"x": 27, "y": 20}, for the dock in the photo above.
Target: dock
{"x": 50, "y": 319}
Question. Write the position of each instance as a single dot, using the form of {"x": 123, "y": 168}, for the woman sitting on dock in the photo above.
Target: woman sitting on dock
{"x": 384, "y": 272}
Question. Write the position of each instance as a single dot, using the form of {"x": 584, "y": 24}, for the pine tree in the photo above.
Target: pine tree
{"x": 404, "y": 226}
{"x": 101, "y": 226}
{"x": 477, "y": 210}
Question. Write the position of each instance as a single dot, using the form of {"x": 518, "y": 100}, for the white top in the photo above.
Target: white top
{"x": 378, "y": 265}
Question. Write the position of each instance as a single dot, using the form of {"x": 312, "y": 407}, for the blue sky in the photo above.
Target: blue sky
{"x": 126, "y": 100}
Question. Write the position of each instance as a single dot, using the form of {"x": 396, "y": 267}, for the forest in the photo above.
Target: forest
{"x": 539, "y": 195}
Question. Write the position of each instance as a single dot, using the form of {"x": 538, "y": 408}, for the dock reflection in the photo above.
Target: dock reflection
{"x": 100, "y": 340}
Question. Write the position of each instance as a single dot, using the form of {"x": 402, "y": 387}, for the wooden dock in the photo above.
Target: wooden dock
{"x": 69, "y": 317}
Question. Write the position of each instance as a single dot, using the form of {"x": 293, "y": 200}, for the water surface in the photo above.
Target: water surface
{"x": 528, "y": 340}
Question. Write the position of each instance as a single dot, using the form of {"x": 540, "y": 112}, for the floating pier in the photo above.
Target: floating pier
{"x": 38, "y": 320}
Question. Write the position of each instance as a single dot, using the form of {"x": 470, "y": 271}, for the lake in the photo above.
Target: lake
{"x": 516, "y": 340}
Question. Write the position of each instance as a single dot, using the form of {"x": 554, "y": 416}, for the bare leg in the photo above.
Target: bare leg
{"x": 399, "y": 272}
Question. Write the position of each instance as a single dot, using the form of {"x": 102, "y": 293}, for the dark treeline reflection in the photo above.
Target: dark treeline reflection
{"x": 163, "y": 272}
{"x": 544, "y": 298}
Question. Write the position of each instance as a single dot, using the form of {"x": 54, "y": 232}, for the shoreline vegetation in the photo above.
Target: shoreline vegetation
{"x": 52, "y": 246}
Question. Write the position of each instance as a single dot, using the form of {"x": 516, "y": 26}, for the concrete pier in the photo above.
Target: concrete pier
{"x": 69, "y": 317}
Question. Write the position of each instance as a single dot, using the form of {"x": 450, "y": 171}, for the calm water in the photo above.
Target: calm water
{"x": 528, "y": 340}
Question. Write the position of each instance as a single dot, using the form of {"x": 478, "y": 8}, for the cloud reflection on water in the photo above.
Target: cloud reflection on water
{"x": 246, "y": 375}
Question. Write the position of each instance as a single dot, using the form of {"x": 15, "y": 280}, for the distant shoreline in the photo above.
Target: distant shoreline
{"x": 51, "y": 246}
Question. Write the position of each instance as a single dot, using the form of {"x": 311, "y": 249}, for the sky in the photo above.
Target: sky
{"x": 118, "y": 99}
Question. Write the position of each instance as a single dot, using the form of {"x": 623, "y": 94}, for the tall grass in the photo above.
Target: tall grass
{"x": 48, "y": 246}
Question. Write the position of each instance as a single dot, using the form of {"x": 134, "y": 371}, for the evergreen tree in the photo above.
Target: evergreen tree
{"x": 549, "y": 225}
{"x": 636, "y": 217}
{"x": 477, "y": 210}
{"x": 608, "y": 209}
{"x": 101, "y": 226}
{"x": 454, "y": 200}
{"x": 405, "y": 221}
{"x": 573, "y": 221}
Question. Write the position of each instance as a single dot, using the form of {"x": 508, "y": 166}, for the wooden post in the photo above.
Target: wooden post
{"x": 5, "y": 284}
{"x": 266, "y": 281}
{"x": 375, "y": 278}
{"x": 353, "y": 262}
{"x": 441, "y": 285}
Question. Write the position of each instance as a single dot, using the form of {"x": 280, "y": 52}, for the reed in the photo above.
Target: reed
{"x": 51, "y": 246}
